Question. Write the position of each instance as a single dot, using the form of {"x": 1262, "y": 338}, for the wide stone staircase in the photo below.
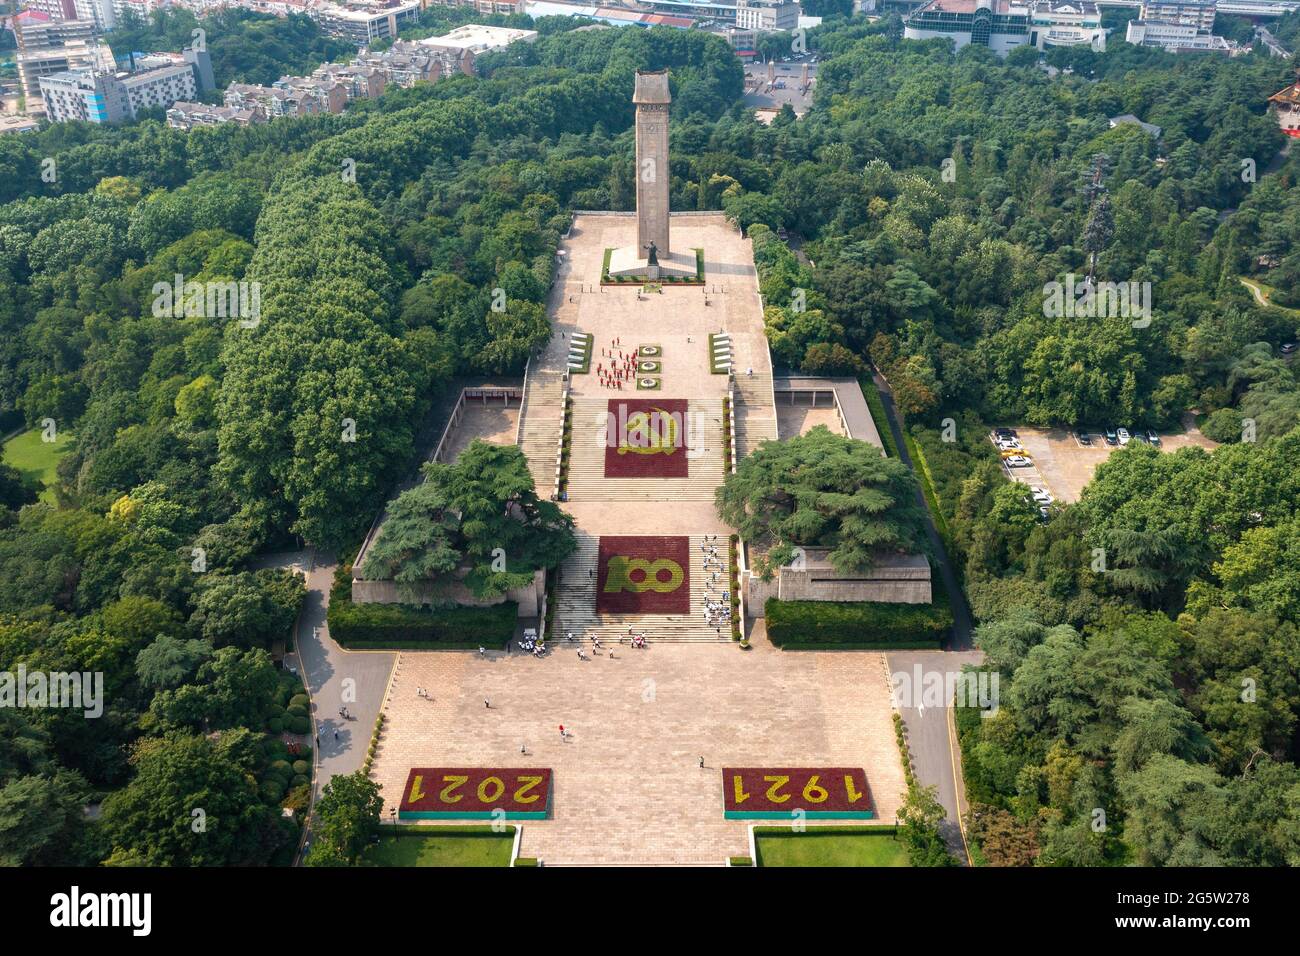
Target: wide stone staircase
{"x": 542, "y": 415}
{"x": 575, "y": 598}
{"x": 704, "y": 450}
{"x": 755, "y": 414}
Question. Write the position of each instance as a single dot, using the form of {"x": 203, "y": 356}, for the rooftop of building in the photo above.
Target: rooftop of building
{"x": 364, "y": 15}
{"x": 1081, "y": 7}
{"x": 968, "y": 7}
{"x": 476, "y": 36}
{"x": 1128, "y": 119}
{"x": 1290, "y": 94}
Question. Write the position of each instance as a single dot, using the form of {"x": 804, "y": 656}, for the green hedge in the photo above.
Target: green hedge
{"x": 408, "y": 627}
{"x": 864, "y": 624}
{"x": 876, "y": 405}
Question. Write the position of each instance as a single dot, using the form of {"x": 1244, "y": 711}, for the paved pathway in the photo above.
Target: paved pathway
{"x": 337, "y": 678}
{"x": 931, "y": 736}
{"x": 935, "y": 755}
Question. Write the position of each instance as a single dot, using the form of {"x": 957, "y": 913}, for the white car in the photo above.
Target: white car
{"x": 1042, "y": 497}
{"x": 1123, "y": 436}
{"x": 1018, "y": 461}
{"x": 1009, "y": 444}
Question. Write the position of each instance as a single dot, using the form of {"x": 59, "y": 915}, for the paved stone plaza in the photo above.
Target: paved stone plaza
{"x": 628, "y": 787}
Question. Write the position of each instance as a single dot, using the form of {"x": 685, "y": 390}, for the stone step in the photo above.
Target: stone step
{"x": 575, "y": 601}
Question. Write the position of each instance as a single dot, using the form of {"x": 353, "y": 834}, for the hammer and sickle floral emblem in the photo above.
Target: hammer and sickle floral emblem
{"x": 653, "y": 433}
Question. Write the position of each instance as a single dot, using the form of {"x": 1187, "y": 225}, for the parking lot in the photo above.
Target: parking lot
{"x": 1062, "y": 465}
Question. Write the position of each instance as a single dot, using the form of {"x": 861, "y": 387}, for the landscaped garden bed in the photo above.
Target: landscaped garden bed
{"x": 412, "y": 627}
{"x": 866, "y": 625}
{"x": 474, "y": 846}
{"x": 697, "y": 279}
{"x": 830, "y": 846}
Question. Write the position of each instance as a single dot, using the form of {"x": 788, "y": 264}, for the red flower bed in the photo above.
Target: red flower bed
{"x": 644, "y": 575}
{"x": 459, "y": 791}
{"x": 647, "y": 438}
{"x": 773, "y": 791}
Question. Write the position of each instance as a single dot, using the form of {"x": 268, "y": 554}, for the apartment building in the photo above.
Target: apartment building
{"x": 329, "y": 95}
{"x": 1192, "y": 13}
{"x": 188, "y": 116}
{"x": 1176, "y": 37}
{"x": 85, "y": 95}
{"x": 504, "y": 7}
{"x": 140, "y": 9}
{"x": 767, "y": 16}
{"x": 47, "y": 46}
{"x": 273, "y": 101}
{"x": 364, "y": 26}
{"x": 357, "y": 81}
{"x": 104, "y": 97}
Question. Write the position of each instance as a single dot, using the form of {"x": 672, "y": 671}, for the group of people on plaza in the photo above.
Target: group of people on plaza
{"x": 622, "y": 365}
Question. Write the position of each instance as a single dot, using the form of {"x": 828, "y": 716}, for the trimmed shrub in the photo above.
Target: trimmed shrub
{"x": 272, "y": 790}
{"x": 275, "y": 725}
{"x": 301, "y": 768}
{"x": 299, "y": 700}
{"x": 401, "y": 626}
{"x": 299, "y": 725}
{"x": 299, "y": 780}
{"x": 867, "y": 624}
{"x": 295, "y": 710}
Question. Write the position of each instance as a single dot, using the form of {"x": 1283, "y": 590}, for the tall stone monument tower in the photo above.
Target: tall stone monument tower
{"x": 651, "y": 97}
{"x": 650, "y": 256}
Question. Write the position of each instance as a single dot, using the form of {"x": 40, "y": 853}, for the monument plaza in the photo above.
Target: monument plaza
{"x": 625, "y": 779}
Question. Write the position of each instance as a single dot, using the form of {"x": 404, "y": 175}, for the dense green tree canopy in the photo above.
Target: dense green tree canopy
{"x": 824, "y": 490}
{"x": 481, "y": 515}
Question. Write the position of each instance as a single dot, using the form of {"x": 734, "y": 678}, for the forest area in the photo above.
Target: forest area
{"x": 937, "y": 195}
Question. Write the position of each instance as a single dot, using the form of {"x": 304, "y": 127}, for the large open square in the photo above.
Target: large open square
{"x": 628, "y": 788}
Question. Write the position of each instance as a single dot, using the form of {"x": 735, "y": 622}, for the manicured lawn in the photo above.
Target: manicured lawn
{"x": 829, "y": 846}
{"x": 37, "y": 459}
{"x": 442, "y": 846}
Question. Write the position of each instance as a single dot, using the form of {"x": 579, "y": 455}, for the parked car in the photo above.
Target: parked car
{"x": 1083, "y": 437}
{"x": 1112, "y": 437}
{"x": 1004, "y": 433}
{"x": 1044, "y": 512}
{"x": 1288, "y": 348}
{"x": 1122, "y": 435}
{"x": 1042, "y": 496}
{"x": 1009, "y": 444}
{"x": 1018, "y": 461}
{"x": 1153, "y": 438}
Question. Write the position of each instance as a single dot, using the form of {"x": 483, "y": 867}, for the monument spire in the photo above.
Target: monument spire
{"x": 652, "y": 97}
